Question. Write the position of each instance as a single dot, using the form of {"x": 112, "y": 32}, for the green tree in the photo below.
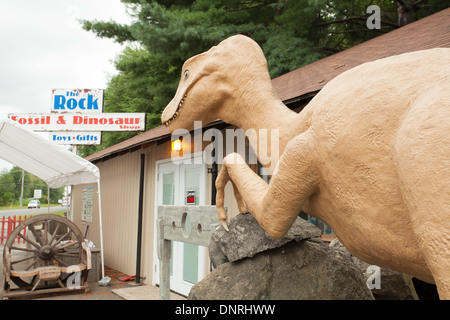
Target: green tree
{"x": 292, "y": 33}
{"x": 7, "y": 189}
{"x": 11, "y": 184}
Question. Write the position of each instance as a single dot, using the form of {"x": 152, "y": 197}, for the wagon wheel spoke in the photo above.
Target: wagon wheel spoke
{"x": 71, "y": 255}
{"x": 61, "y": 239}
{"x": 54, "y": 234}
{"x": 32, "y": 264}
{"x": 23, "y": 249}
{"x": 23, "y": 259}
{"x": 36, "y": 234}
{"x": 68, "y": 245}
{"x": 60, "y": 261}
{"x": 33, "y": 280}
{"x": 29, "y": 241}
{"x": 46, "y": 229}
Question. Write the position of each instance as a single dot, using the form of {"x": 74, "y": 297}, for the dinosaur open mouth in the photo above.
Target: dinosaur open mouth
{"x": 177, "y": 111}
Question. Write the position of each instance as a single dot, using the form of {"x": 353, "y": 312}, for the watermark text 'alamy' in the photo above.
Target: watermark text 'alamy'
{"x": 264, "y": 145}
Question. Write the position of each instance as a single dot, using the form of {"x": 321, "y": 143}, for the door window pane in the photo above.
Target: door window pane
{"x": 190, "y": 251}
{"x": 168, "y": 199}
{"x": 168, "y": 189}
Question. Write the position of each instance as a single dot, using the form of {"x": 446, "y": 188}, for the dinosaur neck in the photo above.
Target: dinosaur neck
{"x": 267, "y": 116}
{"x": 275, "y": 116}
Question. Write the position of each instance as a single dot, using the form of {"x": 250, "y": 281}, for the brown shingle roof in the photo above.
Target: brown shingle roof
{"x": 146, "y": 137}
{"x": 430, "y": 32}
{"x": 153, "y": 135}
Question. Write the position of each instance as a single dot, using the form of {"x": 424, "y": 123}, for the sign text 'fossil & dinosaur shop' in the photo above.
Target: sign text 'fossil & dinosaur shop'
{"x": 81, "y": 122}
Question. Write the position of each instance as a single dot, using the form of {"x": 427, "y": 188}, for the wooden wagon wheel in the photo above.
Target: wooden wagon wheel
{"x": 49, "y": 239}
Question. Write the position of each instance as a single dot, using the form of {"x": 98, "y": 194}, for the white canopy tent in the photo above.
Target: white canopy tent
{"x": 52, "y": 163}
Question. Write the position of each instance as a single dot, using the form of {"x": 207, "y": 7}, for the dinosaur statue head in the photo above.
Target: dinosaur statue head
{"x": 211, "y": 83}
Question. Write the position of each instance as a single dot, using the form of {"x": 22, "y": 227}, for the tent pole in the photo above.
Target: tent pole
{"x": 21, "y": 192}
{"x": 101, "y": 228}
{"x": 48, "y": 198}
{"x": 67, "y": 194}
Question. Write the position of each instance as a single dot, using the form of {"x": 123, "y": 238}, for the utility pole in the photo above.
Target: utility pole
{"x": 21, "y": 191}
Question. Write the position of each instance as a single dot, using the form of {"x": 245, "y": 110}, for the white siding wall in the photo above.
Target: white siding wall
{"x": 120, "y": 195}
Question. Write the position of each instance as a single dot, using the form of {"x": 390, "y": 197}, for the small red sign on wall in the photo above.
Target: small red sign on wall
{"x": 190, "y": 196}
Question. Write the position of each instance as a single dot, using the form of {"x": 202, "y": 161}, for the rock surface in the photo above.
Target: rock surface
{"x": 393, "y": 285}
{"x": 306, "y": 270}
{"x": 246, "y": 238}
{"x": 251, "y": 265}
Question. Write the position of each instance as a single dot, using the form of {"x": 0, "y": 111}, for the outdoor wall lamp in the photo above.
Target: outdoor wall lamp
{"x": 177, "y": 145}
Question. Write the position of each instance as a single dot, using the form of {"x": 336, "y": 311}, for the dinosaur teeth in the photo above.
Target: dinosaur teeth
{"x": 177, "y": 113}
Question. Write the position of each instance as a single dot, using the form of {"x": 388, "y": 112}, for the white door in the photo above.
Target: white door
{"x": 182, "y": 185}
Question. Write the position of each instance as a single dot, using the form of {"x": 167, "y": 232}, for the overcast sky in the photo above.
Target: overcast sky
{"x": 42, "y": 47}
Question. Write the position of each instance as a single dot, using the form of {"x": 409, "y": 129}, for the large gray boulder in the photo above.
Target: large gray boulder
{"x": 393, "y": 284}
{"x": 246, "y": 238}
{"x": 251, "y": 265}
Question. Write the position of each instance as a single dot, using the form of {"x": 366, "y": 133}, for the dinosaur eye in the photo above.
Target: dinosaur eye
{"x": 186, "y": 73}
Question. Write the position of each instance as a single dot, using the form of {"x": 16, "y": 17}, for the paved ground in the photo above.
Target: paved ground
{"x": 116, "y": 290}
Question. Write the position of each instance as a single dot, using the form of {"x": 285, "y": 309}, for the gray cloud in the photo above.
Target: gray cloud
{"x": 42, "y": 47}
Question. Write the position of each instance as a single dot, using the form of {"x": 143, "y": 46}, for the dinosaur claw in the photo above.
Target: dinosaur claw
{"x": 224, "y": 225}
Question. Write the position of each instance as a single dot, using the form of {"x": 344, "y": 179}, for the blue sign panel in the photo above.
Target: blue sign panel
{"x": 77, "y": 100}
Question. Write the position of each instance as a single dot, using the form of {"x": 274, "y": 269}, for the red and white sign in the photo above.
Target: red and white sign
{"x": 80, "y": 122}
{"x": 190, "y": 196}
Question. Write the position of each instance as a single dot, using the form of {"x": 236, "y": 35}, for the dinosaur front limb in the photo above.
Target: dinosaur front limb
{"x": 275, "y": 205}
{"x": 221, "y": 182}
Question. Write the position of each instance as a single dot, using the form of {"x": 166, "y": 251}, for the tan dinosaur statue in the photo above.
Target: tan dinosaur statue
{"x": 369, "y": 155}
